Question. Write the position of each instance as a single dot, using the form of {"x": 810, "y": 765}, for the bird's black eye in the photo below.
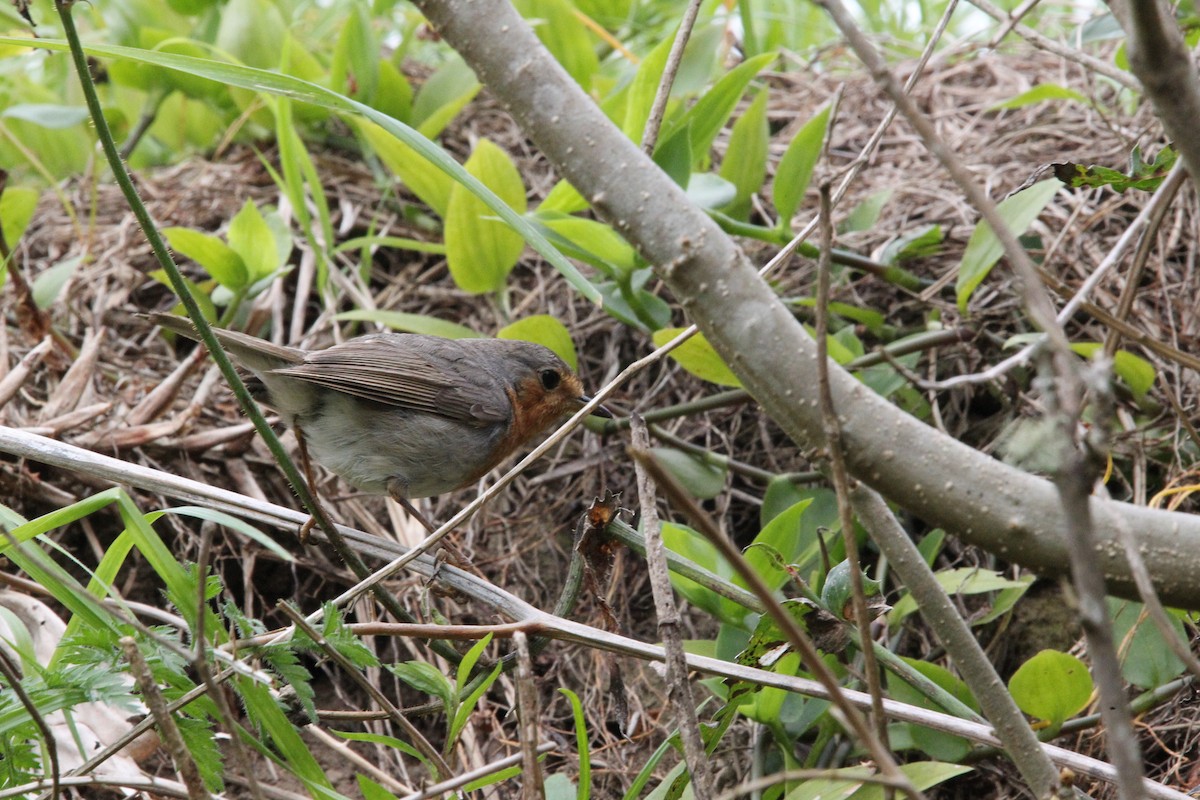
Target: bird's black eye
{"x": 550, "y": 379}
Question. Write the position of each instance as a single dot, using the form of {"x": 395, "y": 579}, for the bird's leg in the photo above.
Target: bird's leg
{"x": 306, "y": 465}
{"x": 398, "y": 490}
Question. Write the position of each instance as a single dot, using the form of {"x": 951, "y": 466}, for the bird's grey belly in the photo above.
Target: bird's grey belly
{"x": 368, "y": 446}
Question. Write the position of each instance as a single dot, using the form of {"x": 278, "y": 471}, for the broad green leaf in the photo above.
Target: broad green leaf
{"x": 372, "y": 790}
{"x": 936, "y": 744}
{"x": 251, "y": 238}
{"x": 919, "y": 243}
{"x": 411, "y": 323}
{"x": 691, "y": 545}
{"x": 866, "y": 214}
{"x": 422, "y": 177}
{"x": 702, "y": 479}
{"x": 545, "y": 330}
{"x": 442, "y": 96}
{"x": 559, "y": 29}
{"x": 563, "y": 198}
{"x": 709, "y": 191}
{"x": 596, "y": 238}
{"x": 1137, "y": 372}
{"x": 252, "y": 32}
{"x": 45, "y": 115}
{"x": 17, "y": 205}
{"x": 745, "y": 162}
{"x": 983, "y": 248}
{"x": 1148, "y": 660}
{"x": 837, "y": 591}
{"x": 698, "y": 357}
{"x": 785, "y": 535}
{"x": 1052, "y": 686}
{"x": 922, "y": 774}
{"x": 426, "y": 678}
{"x": 395, "y": 95}
{"x": 480, "y": 249}
{"x": 706, "y": 118}
{"x": 217, "y": 258}
{"x": 796, "y": 167}
{"x": 1039, "y": 94}
{"x": 50, "y": 282}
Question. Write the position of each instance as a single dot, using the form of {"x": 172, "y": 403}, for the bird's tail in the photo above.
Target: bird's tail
{"x": 255, "y": 354}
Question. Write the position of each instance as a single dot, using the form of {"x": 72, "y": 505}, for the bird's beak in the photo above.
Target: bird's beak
{"x": 598, "y": 411}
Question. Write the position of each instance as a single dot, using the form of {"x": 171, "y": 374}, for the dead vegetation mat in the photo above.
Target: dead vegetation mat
{"x": 91, "y": 389}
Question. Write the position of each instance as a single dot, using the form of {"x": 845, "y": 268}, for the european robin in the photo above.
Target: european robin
{"x": 407, "y": 414}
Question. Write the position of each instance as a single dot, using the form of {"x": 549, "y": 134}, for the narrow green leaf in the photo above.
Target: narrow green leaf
{"x": 1040, "y": 94}
{"x": 745, "y": 162}
{"x": 796, "y": 167}
{"x": 480, "y": 249}
{"x": 581, "y": 744}
{"x": 593, "y": 236}
{"x": 426, "y": 678}
{"x": 866, "y": 214}
{"x": 922, "y": 774}
{"x": 1052, "y": 686}
{"x": 216, "y": 258}
{"x": 698, "y": 357}
{"x": 710, "y": 113}
{"x": 983, "y": 248}
{"x": 545, "y": 330}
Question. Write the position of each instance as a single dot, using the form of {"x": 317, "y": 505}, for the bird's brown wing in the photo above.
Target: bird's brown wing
{"x": 436, "y": 376}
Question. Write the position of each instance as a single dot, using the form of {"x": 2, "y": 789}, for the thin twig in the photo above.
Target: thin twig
{"x": 674, "y": 59}
{"x": 679, "y": 690}
{"x": 532, "y": 787}
{"x": 841, "y": 482}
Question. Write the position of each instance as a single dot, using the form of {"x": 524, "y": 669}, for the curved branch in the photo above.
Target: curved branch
{"x": 989, "y": 504}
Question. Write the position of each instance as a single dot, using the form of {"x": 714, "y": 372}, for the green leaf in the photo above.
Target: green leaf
{"x": 443, "y": 95}
{"x": 796, "y": 167}
{"x": 595, "y": 238}
{"x": 560, "y": 30}
{"x": 686, "y": 542}
{"x": 922, "y": 774}
{"x": 674, "y": 156}
{"x": 216, "y": 258}
{"x": 745, "y": 162}
{"x": 50, "y": 282}
{"x": 252, "y": 32}
{"x": 1040, "y": 94}
{"x": 1137, "y": 372}
{"x": 426, "y": 678}
{"x": 866, "y": 214}
{"x": 701, "y": 479}
{"x": 706, "y": 118}
{"x": 963, "y": 580}
{"x": 545, "y": 330}
{"x": 1051, "y": 686}
{"x": 1148, "y": 661}
{"x": 410, "y": 323}
{"x": 480, "y": 249}
{"x": 919, "y": 243}
{"x": 698, "y": 357}
{"x": 936, "y": 744}
{"x": 355, "y": 68}
{"x": 251, "y": 238}
{"x": 581, "y": 742}
{"x": 45, "y": 115}
{"x": 17, "y": 205}
{"x": 709, "y": 191}
{"x": 372, "y": 790}
{"x": 983, "y": 248}
{"x": 423, "y": 178}
{"x": 837, "y": 591}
